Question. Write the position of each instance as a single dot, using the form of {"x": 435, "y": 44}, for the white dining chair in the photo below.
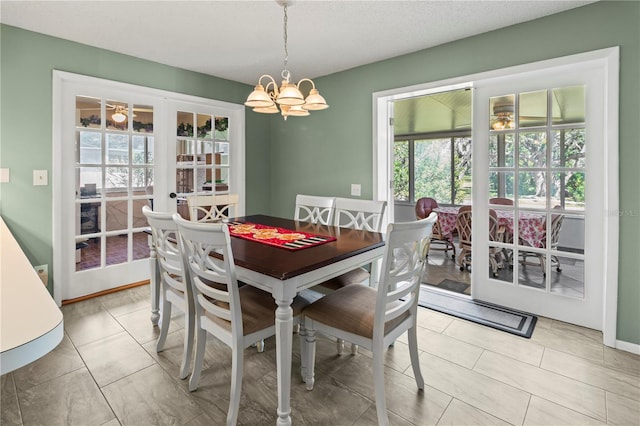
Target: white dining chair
{"x": 212, "y": 207}
{"x": 361, "y": 215}
{"x": 375, "y": 318}
{"x": 314, "y": 209}
{"x": 238, "y": 316}
{"x": 172, "y": 282}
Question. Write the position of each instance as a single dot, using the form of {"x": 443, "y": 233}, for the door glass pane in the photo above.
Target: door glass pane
{"x": 568, "y": 105}
{"x": 532, "y": 190}
{"x": 89, "y": 147}
{"x": 89, "y": 182}
{"x": 117, "y": 249}
{"x": 88, "y": 253}
{"x": 502, "y": 112}
{"x": 117, "y": 149}
{"x": 568, "y": 148}
{"x": 88, "y": 112}
{"x": 117, "y": 115}
{"x": 185, "y": 124}
{"x": 204, "y": 126}
{"x": 142, "y": 149}
{"x": 143, "y": 118}
{"x": 222, "y": 153}
{"x": 532, "y": 149}
{"x": 533, "y": 109}
{"x": 568, "y": 190}
{"x": 116, "y": 181}
{"x": 501, "y": 149}
{"x": 140, "y": 245}
{"x": 117, "y": 215}
{"x": 222, "y": 128}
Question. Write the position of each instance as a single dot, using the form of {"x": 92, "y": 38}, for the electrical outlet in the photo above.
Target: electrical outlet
{"x": 356, "y": 189}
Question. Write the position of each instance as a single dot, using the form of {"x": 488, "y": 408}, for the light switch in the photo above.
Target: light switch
{"x": 4, "y": 175}
{"x": 40, "y": 177}
{"x": 355, "y": 189}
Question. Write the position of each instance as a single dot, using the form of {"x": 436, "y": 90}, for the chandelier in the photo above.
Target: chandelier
{"x": 286, "y": 99}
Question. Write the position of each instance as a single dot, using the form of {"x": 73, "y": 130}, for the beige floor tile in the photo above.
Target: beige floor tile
{"x": 622, "y": 360}
{"x": 10, "y": 413}
{"x": 139, "y": 326}
{"x": 61, "y": 360}
{"x": 609, "y": 379}
{"x": 475, "y": 389}
{"x": 622, "y": 411}
{"x": 543, "y": 412}
{"x": 544, "y": 323}
{"x": 570, "y": 393}
{"x": 459, "y": 413}
{"x": 449, "y": 348}
{"x": 124, "y": 302}
{"x": 72, "y": 399}
{"x": 402, "y": 394}
{"x": 496, "y": 341}
{"x": 91, "y": 328}
{"x": 150, "y": 396}
{"x": 114, "y": 357}
{"x": 432, "y": 320}
{"x": 569, "y": 343}
{"x": 577, "y": 331}
{"x": 370, "y": 417}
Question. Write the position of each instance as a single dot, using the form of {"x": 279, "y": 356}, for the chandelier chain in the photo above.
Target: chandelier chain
{"x": 285, "y": 72}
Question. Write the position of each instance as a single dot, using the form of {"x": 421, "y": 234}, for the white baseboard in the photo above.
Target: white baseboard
{"x": 628, "y": 347}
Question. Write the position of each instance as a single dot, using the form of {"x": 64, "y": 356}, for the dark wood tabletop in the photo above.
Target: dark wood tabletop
{"x": 284, "y": 264}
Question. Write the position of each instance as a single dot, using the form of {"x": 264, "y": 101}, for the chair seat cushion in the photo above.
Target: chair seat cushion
{"x": 352, "y": 309}
{"x": 258, "y": 309}
{"x": 355, "y": 276}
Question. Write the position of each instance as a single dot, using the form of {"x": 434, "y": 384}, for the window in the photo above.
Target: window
{"x": 436, "y": 166}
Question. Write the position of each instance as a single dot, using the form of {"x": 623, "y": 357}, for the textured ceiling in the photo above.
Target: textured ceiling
{"x": 240, "y": 40}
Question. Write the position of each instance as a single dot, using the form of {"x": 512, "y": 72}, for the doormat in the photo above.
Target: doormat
{"x": 451, "y": 285}
{"x": 488, "y": 314}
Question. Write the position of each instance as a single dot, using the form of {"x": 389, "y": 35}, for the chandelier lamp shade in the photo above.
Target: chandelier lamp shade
{"x": 287, "y": 99}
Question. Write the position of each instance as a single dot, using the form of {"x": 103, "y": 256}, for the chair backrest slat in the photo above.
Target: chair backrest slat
{"x": 212, "y": 208}
{"x": 314, "y": 209}
{"x": 359, "y": 214}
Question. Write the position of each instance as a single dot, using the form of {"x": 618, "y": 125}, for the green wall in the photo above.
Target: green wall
{"x": 326, "y": 152}
{"x": 27, "y": 60}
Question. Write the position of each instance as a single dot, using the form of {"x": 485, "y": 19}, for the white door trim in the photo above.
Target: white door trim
{"x": 609, "y": 60}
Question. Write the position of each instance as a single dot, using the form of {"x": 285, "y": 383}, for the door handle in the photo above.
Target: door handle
{"x": 172, "y": 195}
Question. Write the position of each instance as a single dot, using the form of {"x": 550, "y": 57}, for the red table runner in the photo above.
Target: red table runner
{"x": 274, "y": 236}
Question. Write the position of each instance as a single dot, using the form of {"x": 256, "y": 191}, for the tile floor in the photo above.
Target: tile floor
{"x": 106, "y": 372}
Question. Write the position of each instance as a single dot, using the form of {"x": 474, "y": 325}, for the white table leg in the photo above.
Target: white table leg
{"x": 154, "y": 283}
{"x": 284, "y": 346}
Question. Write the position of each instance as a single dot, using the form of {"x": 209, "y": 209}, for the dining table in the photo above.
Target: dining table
{"x": 285, "y": 272}
{"x": 531, "y": 226}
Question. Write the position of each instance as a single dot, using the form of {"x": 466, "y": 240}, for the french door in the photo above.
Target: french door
{"x": 116, "y": 149}
{"x": 539, "y": 142}
{"x": 107, "y": 165}
{"x": 206, "y": 153}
